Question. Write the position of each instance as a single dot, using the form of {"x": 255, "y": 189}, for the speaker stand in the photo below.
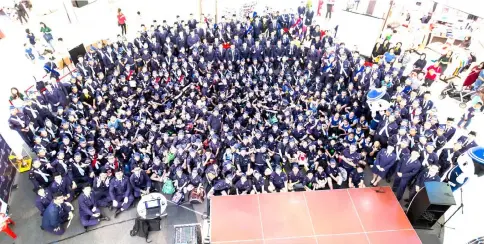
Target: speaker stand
{"x": 461, "y": 207}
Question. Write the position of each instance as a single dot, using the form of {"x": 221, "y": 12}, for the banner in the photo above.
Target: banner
{"x": 7, "y": 171}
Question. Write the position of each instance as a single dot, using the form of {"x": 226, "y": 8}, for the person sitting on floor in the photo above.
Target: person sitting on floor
{"x": 56, "y": 214}
{"x": 44, "y": 198}
{"x": 140, "y": 182}
{"x": 89, "y": 212}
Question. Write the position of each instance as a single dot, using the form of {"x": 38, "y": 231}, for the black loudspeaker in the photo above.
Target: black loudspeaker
{"x": 79, "y": 3}
{"x": 79, "y": 50}
{"x": 430, "y": 204}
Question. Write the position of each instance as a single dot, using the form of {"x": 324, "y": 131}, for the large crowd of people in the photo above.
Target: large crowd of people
{"x": 260, "y": 105}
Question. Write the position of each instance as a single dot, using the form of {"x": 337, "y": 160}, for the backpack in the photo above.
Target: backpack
{"x": 168, "y": 187}
{"x": 178, "y": 198}
{"x": 140, "y": 228}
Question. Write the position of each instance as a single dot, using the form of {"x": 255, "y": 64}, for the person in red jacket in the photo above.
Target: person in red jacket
{"x": 432, "y": 72}
{"x": 122, "y": 22}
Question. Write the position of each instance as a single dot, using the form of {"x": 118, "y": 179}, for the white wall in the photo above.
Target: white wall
{"x": 364, "y": 34}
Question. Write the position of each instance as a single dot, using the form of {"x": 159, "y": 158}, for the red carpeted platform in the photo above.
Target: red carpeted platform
{"x": 357, "y": 216}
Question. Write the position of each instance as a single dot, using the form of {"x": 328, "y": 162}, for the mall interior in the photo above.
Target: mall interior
{"x": 58, "y": 54}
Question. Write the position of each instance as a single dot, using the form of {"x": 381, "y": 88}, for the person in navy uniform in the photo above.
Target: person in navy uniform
{"x": 258, "y": 183}
{"x": 467, "y": 142}
{"x": 180, "y": 180}
{"x": 60, "y": 165}
{"x": 64, "y": 186}
{"x": 222, "y": 187}
{"x": 55, "y": 97}
{"x": 278, "y": 181}
{"x": 140, "y": 182}
{"x": 20, "y": 123}
{"x": 100, "y": 189}
{"x": 310, "y": 182}
{"x": 439, "y": 138}
{"x": 428, "y": 156}
{"x": 195, "y": 182}
{"x": 400, "y": 150}
{"x": 396, "y": 139}
{"x": 43, "y": 199}
{"x": 335, "y": 179}
{"x": 80, "y": 172}
{"x": 350, "y": 158}
{"x": 321, "y": 177}
{"x": 385, "y": 159}
{"x": 56, "y": 214}
{"x": 120, "y": 192}
{"x": 427, "y": 175}
{"x": 449, "y": 130}
{"x": 407, "y": 168}
{"x": 357, "y": 177}
{"x": 294, "y": 177}
{"x": 39, "y": 175}
{"x": 448, "y": 158}
{"x": 243, "y": 186}
{"x": 89, "y": 212}
{"x": 385, "y": 129}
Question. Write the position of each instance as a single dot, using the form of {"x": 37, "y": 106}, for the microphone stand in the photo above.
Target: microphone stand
{"x": 461, "y": 207}
{"x": 380, "y": 190}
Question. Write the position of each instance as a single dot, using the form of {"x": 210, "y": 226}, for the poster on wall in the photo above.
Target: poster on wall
{"x": 7, "y": 173}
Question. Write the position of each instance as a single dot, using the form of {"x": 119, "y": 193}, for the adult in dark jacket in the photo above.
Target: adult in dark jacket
{"x": 429, "y": 174}
{"x": 101, "y": 189}
{"x": 39, "y": 175}
{"x": 385, "y": 159}
{"x": 44, "y": 198}
{"x": 89, "y": 212}
{"x": 120, "y": 192}
{"x": 56, "y": 214}
{"x": 140, "y": 182}
{"x": 62, "y": 185}
{"x": 407, "y": 168}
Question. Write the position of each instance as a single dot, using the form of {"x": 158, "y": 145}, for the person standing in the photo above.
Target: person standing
{"x": 329, "y": 8}
{"x": 427, "y": 175}
{"x": 466, "y": 118}
{"x": 476, "y": 75}
{"x": 21, "y": 12}
{"x": 445, "y": 60}
{"x": 432, "y": 72}
{"x": 407, "y": 168}
{"x": 47, "y": 33}
{"x": 122, "y": 22}
{"x": 19, "y": 122}
{"x": 385, "y": 159}
{"x": 56, "y": 214}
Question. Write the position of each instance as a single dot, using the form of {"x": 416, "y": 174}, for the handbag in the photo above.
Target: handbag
{"x": 168, "y": 187}
{"x": 178, "y": 198}
{"x": 48, "y": 37}
{"x": 196, "y": 197}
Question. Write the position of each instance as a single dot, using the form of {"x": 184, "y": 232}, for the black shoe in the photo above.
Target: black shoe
{"x": 85, "y": 228}
{"x": 388, "y": 180}
{"x": 406, "y": 205}
{"x": 406, "y": 200}
{"x": 105, "y": 218}
{"x": 118, "y": 211}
